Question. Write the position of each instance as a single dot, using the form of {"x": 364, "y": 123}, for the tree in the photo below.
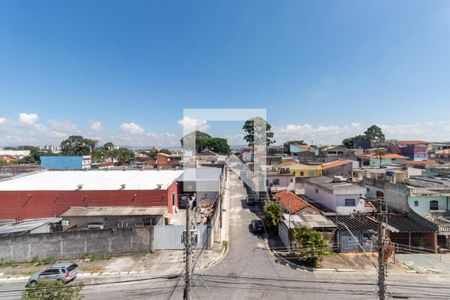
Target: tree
{"x": 297, "y": 142}
{"x": 48, "y": 290}
{"x": 375, "y": 134}
{"x": 272, "y": 214}
{"x": 196, "y": 137}
{"x": 309, "y": 245}
{"x": 217, "y": 145}
{"x": 253, "y": 128}
{"x": 165, "y": 151}
{"x": 108, "y": 146}
{"x": 77, "y": 145}
{"x": 123, "y": 155}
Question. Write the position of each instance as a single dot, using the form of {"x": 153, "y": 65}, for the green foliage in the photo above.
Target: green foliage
{"x": 77, "y": 145}
{"x": 2, "y": 162}
{"x": 253, "y": 128}
{"x": 49, "y": 290}
{"x": 373, "y": 133}
{"x": 165, "y": 151}
{"x": 108, "y": 146}
{"x": 196, "y": 137}
{"x": 7, "y": 263}
{"x": 217, "y": 145}
{"x": 204, "y": 141}
{"x": 273, "y": 214}
{"x": 309, "y": 245}
{"x": 123, "y": 155}
{"x": 296, "y": 142}
{"x": 47, "y": 260}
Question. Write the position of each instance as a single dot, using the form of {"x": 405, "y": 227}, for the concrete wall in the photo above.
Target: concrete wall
{"x": 423, "y": 207}
{"x": 70, "y": 245}
{"x": 320, "y": 196}
{"x": 396, "y": 196}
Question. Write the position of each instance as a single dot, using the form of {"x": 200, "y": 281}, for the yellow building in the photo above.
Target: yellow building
{"x": 301, "y": 170}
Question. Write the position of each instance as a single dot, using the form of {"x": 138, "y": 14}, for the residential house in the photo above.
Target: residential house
{"x": 299, "y": 213}
{"x": 374, "y": 160}
{"x": 278, "y": 181}
{"x": 414, "y": 150}
{"x": 354, "y": 232}
{"x": 338, "y": 168}
{"x": 338, "y": 196}
{"x": 168, "y": 161}
{"x": 302, "y": 172}
{"x": 425, "y": 200}
{"x": 332, "y": 153}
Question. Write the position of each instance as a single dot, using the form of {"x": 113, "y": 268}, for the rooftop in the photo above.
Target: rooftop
{"x": 385, "y": 156}
{"x": 336, "y": 163}
{"x": 201, "y": 174}
{"x": 394, "y": 223}
{"x": 92, "y": 180}
{"x": 96, "y": 211}
{"x": 26, "y": 225}
{"x": 337, "y": 188}
{"x": 292, "y": 202}
{"x": 309, "y": 221}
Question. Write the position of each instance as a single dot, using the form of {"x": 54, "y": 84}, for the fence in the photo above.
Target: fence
{"x": 70, "y": 245}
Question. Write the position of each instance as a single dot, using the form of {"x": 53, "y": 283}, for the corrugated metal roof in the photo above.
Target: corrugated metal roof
{"x": 364, "y": 223}
{"x": 92, "y": 180}
{"x": 26, "y": 225}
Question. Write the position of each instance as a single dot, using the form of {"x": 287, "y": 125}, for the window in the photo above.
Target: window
{"x": 416, "y": 203}
{"x": 434, "y": 205}
{"x": 317, "y": 191}
{"x": 50, "y": 272}
{"x": 276, "y": 181}
{"x": 350, "y": 202}
{"x": 173, "y": 199}
{"x": 302, "y": 173}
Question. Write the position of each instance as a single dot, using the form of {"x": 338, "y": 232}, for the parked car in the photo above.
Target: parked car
{"x": 257, "y": 226}
{"x": 250, "y": 201}
{"x": 65, "y": 272}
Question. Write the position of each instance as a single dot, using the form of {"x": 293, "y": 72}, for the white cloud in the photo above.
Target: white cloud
{"x": 2, "y": 120}
{"x": 96, "y": 126}
{"x": 28, "y": 119}
{"x": 191, "y": 124}
{"x": 63, "y": 127}
{"x": 334, "y": 134}
{"x": 132, "y": 128}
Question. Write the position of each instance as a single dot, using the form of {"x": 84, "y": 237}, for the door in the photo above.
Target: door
{"x": 50, "y": 274}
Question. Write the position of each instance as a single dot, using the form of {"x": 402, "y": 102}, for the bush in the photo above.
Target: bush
{"x": 272, "y": 214}
{"x": 7, "y": 263}
{"x": 309, "y": 245}
{"x": 48, "y": 260}
{"x": 48, "y": 290}
{"x": 93, "y": 257}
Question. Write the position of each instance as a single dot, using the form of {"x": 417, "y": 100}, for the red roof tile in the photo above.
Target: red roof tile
{"x": 292, "y": 202}
{"x": 411, "y": 142}
{"x": 418, "y": 162}
{"x": 388, "y": 155}
{"x": 336, "y": 163}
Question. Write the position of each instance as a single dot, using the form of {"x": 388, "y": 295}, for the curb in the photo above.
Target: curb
{"x": 276, "y": 254}
{"x": 96, "y": 274}
{"x": 219, "y": 259}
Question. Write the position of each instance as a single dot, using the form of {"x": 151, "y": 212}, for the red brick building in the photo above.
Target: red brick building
{"x": 51, "y": 193}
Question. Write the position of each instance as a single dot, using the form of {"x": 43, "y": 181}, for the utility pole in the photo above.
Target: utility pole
{"x": 188, "y": 253}
{"x": 381, "y": 247}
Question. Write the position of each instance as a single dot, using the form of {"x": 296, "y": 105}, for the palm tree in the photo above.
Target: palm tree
{"x": 380, "y": 153}
{"x": 273, "y": 214}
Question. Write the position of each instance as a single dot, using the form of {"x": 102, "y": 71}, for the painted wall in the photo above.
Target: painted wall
{"x": 423, "y": 207}
{"x": 38, "y": 204}
{"x": 334, "y": 202}
{"x": 63, "y": 162}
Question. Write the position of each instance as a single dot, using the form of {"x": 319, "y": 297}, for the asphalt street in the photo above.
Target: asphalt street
{"x": 250, "y": 271}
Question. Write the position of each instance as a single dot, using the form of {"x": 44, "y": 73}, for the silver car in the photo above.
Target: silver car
{"x": 64, "y": 272}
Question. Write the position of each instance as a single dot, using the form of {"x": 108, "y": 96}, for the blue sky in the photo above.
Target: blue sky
{"x": 125, "y": 70}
